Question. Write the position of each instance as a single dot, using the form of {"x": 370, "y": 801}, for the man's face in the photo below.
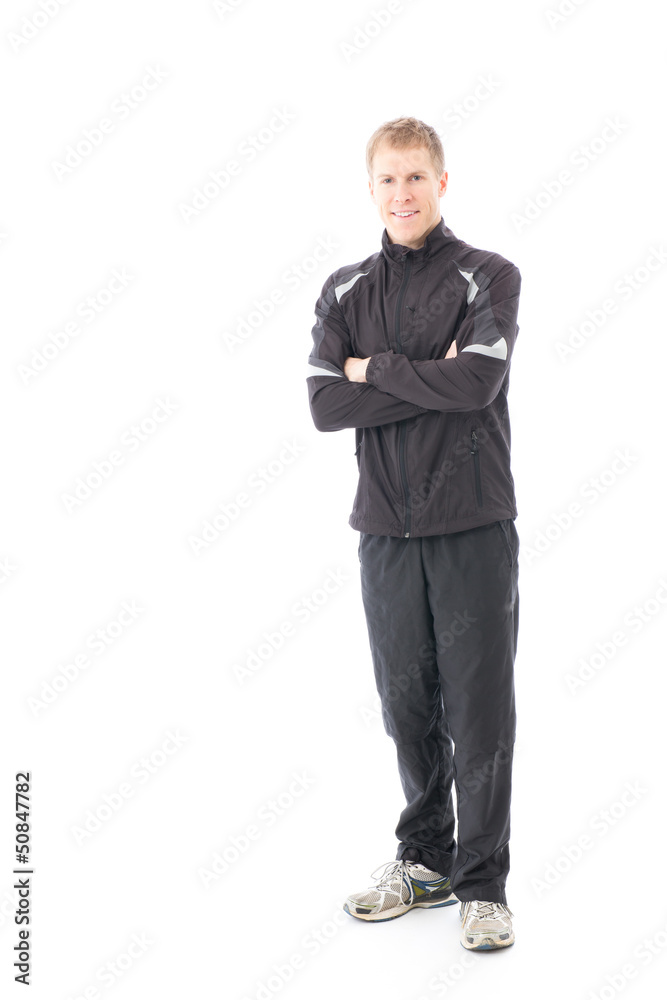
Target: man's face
{"x": 407, "y": 192}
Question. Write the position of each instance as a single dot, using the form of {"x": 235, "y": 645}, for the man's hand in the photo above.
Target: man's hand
{"x": 355, "y": 369}
{"x": 452, "y": 352}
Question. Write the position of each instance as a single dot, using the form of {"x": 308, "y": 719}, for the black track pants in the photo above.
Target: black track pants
{"x": 442, "y": 615}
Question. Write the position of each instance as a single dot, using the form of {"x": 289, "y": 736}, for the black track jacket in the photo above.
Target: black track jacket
{"x": 432, "y": 435}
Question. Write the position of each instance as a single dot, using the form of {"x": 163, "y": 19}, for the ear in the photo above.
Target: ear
{"x": 371, "y": 192}
{"x": 442, "y": 184}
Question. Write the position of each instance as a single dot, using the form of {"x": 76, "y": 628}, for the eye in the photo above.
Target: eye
{"x": 418, "y": 176}
{"x": 385, "y": 180}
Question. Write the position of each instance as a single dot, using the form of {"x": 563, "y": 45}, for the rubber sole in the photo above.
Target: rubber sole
{"x": 487, "y": 944}
{"x": 390, "y": 915}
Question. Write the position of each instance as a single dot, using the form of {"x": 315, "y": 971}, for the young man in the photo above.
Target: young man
{"x": 412, "y": 348}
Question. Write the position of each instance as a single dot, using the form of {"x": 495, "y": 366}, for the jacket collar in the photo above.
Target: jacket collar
{"x": 439, "y": 239}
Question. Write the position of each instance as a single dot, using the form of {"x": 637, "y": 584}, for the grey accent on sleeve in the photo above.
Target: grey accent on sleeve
{"x": 318, "y": 367}
{"x": 487, "y": 338}
{"x": 497, "y": 350}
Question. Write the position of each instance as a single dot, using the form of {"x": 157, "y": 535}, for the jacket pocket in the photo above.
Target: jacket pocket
{"x": 477, "y": 473}
{"x": 504, "y": 529}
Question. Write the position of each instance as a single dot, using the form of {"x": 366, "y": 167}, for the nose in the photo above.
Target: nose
{"x": 401, "y": 192}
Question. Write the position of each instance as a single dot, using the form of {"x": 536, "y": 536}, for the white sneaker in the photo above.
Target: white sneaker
{"x": 401, "y": 885}
{"x": 486, "y": 925}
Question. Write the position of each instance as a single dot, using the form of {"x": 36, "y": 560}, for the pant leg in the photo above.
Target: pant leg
{"x": 473, "y": 592}
{"x": 400, "y": 629}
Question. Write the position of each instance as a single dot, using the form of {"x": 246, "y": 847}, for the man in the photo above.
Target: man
{"x": 412, "y": 348}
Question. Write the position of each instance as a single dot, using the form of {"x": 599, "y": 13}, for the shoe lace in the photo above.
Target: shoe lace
{"x": 482, "y": 908}
{"x": 389, "y": 874}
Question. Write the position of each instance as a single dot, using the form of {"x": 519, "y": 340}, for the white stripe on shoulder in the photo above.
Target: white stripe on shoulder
{"x": 347, "y": 285}
{"x": 497, "y": 350}
{"x": 473, "y": 288}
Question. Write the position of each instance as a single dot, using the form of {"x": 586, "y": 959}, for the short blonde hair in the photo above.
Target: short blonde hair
{"x": 402, "y": 133}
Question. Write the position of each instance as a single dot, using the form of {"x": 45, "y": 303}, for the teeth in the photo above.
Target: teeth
{"x": 403, "y": 215}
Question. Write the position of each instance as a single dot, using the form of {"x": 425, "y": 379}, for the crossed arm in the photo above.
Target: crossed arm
{"x": 355, "y": 368}
{"x": 348, "y": 391}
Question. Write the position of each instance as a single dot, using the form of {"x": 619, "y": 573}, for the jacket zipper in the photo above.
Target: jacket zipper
{"x": 474, "y": 451}
{"x": 402, "y": 434}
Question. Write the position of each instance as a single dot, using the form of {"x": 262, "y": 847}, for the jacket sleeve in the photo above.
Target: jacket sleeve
{"x": 484, "y": 343}
{"x": 335, "y": 402}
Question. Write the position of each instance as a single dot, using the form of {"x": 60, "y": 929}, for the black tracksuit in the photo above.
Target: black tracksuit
{"x": 435, "y": 506}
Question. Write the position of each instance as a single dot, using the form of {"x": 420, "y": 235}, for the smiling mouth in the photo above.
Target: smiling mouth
{"x": 404, "y": 215}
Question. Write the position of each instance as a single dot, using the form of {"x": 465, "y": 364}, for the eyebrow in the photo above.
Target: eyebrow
{"x": 410, "y": 173}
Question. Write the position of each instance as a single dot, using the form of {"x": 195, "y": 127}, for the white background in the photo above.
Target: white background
{"x": 310, "y": 709}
